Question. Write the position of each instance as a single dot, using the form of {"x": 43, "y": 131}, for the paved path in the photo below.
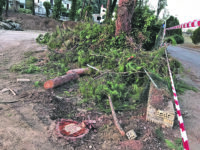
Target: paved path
{"x": 190, "y": 101}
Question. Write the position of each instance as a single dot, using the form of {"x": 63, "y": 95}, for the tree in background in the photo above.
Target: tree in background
{"x": 47, "y": 6}
{"x": 33, "y": 7}
{"x": 29, "y": 4}
{"x": 196, "y": 36}
{"x": 189, "y": 31}
{"x": 7, "y": 4}
{"x": 161, "y": 5}
{"x": 171, "y": 22}
{"x": 144, "y": 22}
{"x": 73, "y": 10}
{"x": 57, "y": 9}
{"x": 2, "y": 4}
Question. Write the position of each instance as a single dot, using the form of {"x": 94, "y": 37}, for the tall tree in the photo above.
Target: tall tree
{"x": 33, "y": 7}
{"x": 124, "y": 16}
{"x": 161, "y": 5}
{"x": 83, "y": 6}
{"x": 57, "y": 9}
{"x": 109, "y": 3}
{"x": 2, "y": 4}
{"x": 171, "y": 22}
{"x": 7, "y": 4}
{"x": 73, "y": 10}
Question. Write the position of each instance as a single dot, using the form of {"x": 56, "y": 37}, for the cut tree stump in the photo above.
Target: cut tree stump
{"x": 80, "y": 71}
{"x": 60, "y": 80}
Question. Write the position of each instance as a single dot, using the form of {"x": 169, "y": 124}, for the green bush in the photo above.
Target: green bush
{"x": 47, "y": 6}
{"x": 196, "y": 36}
{"x": 25, "y": 11}
{"x": 171, "y": 40}
{"x": 179, "y": 39}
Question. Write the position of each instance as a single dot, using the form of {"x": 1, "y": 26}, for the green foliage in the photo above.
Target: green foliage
{"x": 29, "y": 4}
{"x": 25, "y": 11}
{"x": 26, "y": 66}
{"x": 57, "y": 9}
{"x": 159, "y": 134}
{"x": 177, "y": 145}
{"x": 43, "y": 39}
{"x": 189, "y": 31}
{"x": 196, "y": 36}
{"x": 171, "y": 40}
{"x": 47, "y": 6}
{"x": 97, "y": 45}
{"x": 37, "y": 83}
{"x": 144, "y": 21}
{"x": 179, "y": 39}
{"x": 171, "y": 22}
{"x": 73, "y": 10}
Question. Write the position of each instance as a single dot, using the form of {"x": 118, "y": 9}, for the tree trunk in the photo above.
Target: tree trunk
{"x": 7, "y": 3}
{"x": 109, "y": 2}
{"x": 112, "y": 7}
{"x": 83, "y": 6}
{"x": 33, "y": 7}
{"x": 124, "y": 16}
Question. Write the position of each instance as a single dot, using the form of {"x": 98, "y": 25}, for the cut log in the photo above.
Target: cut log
{"x": 60, "y": 80}
{"x": 115, "y": 117}
{"x": 78, "y": 71}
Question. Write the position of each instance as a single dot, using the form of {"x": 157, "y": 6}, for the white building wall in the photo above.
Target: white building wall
{"x": 40, "y": 9}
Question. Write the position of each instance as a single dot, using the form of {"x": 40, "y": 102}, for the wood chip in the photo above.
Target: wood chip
{"x": 23, "y": 80}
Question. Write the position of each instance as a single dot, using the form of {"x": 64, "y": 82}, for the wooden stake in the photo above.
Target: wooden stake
{"x": 115, "y": 117}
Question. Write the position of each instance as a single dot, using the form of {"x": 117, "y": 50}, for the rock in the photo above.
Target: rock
{"x": 5, "y": 25}
{"x": 16, "y": 26}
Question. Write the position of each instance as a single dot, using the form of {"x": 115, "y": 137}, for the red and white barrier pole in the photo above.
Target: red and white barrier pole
{"x": 179, "y": 116}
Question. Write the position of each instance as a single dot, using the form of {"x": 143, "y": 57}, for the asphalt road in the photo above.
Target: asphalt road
{"x": 190, "y": 100}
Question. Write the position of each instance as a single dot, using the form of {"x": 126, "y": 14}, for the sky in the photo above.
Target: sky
{"x": 184, "y": 10}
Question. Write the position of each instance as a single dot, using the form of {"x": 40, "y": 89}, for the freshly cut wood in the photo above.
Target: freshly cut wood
{"x": 115, "y": 117}
{"x": 78, "y": 71}
{"x": 60, "y": 80}
{"x": 23, "y": 80}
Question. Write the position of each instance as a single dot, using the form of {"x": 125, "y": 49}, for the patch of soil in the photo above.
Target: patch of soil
{"x": 159, "y": 98}
{"x": 31, "y": 22}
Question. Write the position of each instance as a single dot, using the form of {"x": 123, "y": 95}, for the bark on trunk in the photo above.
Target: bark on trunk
{"x": 80, "y": 71}
{"x": 7, "y": 3}
{"x": 33, "y": 7}
{"x": 83, "y": 6}
{"x": 108, "y": 9}
{"x": 60, "y": 80}
{"x": 124, "y": 16}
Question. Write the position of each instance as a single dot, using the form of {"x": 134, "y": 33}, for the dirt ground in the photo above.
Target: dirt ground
{"x": 30, "y": 22}
{"x": 28, "y": 119}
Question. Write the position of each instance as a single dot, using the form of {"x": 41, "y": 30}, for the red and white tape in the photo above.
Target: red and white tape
{"x": 195, "y": 23}
{"x": 180, "y": 118}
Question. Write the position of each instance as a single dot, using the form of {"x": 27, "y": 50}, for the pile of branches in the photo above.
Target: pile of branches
{"x": 119, "y": 63}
